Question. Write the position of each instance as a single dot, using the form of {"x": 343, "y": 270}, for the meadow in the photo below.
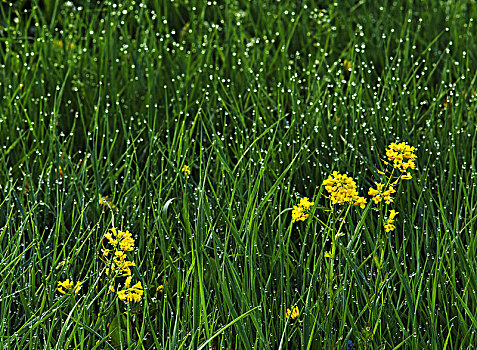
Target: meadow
{"x": 205, "y": 174}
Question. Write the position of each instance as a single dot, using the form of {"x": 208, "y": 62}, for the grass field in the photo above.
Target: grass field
{"x": 154, "y": 155}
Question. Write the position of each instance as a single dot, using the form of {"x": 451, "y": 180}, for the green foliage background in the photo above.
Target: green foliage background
{"x": 255, "y": 97}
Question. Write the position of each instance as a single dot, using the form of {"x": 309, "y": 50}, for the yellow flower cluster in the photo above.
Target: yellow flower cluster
{"x": 67, "y": 284}
{"x": 300, "y": 211}
{"x": 129, "y": 293}
{"x": 402, "y": 157}
{"x": 106, "y": 201}
{"x": 293, "y": 314}
{"x": 379, "y": 194}
{"x": 185, "y": 170}
{"x": 343, "y": 189}
{"x": 124, "y": 239}
{"x": 67, "y": 45}
{"x": 118, "y": 265}
{"x": 389, "y": 225}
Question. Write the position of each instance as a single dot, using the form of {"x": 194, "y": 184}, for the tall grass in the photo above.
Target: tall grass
{"x": 263, "y": 100}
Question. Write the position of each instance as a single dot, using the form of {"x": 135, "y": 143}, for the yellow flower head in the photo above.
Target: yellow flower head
{"x": 106, "y": 201}
{"x": 300, "y": 211}
{"x": 298, "y": 214}
{"x": 67, "y": 284}
{"x": 378, "y": 194}
{"x": 389, "y": 224}
{"x": 123, "y": 238}
{"x": 398, "y": 152}
{"x": 77, "y": 287}
{"x": 185, "y": 170}
{"x": 392, "y": 214}
{"x": 360, "y": 202}
{"x": 342, "y": 188}
{"x": 293, "y": 314}
{"x": 59, "y": 171}
{"x": 59, "y": 44}
{"x": 406, "y": 177}
{"x": 133, "y": 293}
{"x": 305, "y": 203}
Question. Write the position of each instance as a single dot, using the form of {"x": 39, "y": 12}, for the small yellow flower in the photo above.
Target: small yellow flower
{"x": 293, "y": 315}
{"x": 389, "y": 224}
{"x": 397, "y": 152}
{"x": 392, "y": 214}
{"x": 185, "y": 170}
{"x": 300, "y": 211}
{"x": 379, "y": 195}
{"x": 305, "y": 203}
{"x": 360, "y": 202}
{"x": 59, "y": 44}
{"x": 160, "y": 288}
{"x": 390, "y": 191}
{"x": 67, "y": 284}
{"x": 377, "y": 199}
{"x": 106, "y": 201}
{"x": 77, "y": 287}
{"x": 133, "y": 293}
{"x": 347, "y": 65}
{"x": 123, "y": 238}
{"x": 372, "y": 192}
{"x": 341, "y": 187}
{"x": 408, "y": 176}
{"x": 298, "y": 214}
{"x": 59, "y": 171}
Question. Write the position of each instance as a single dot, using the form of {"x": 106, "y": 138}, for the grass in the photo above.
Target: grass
{"x": 263, "y": 100}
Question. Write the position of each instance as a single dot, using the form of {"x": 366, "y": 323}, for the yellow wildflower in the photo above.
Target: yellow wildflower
{"x": 77, "y": 287}
{"x": 298, "y": 214}
{"x": 185, "y": 170}
{"x": 372, "y": 192}
{"x": 59, "y": 44}
{"x": 389, "y": 224}
{"x": 397, "y": 152}
{"x": 123, "y": 238}
{"x": 300, "y": 211}
{"x": 342, "y": 188}
{"x": 390, "y": 191}
{"x": 392, "y": 214}
{"x": 133, "y": 293}
{"x": 408, "y": 176}
{"x": 293, "y": 315}
{"x": 106, "y": 201}
{"x": 376, "y": 193}
{"x": 305, "y": 203}
{"x": 360, "y": 201}
{"x": 120, "y": 266}
{"x": 67, "y": 284}
{"x": 59, "y": 171}
{"x": 160, "y": 288}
